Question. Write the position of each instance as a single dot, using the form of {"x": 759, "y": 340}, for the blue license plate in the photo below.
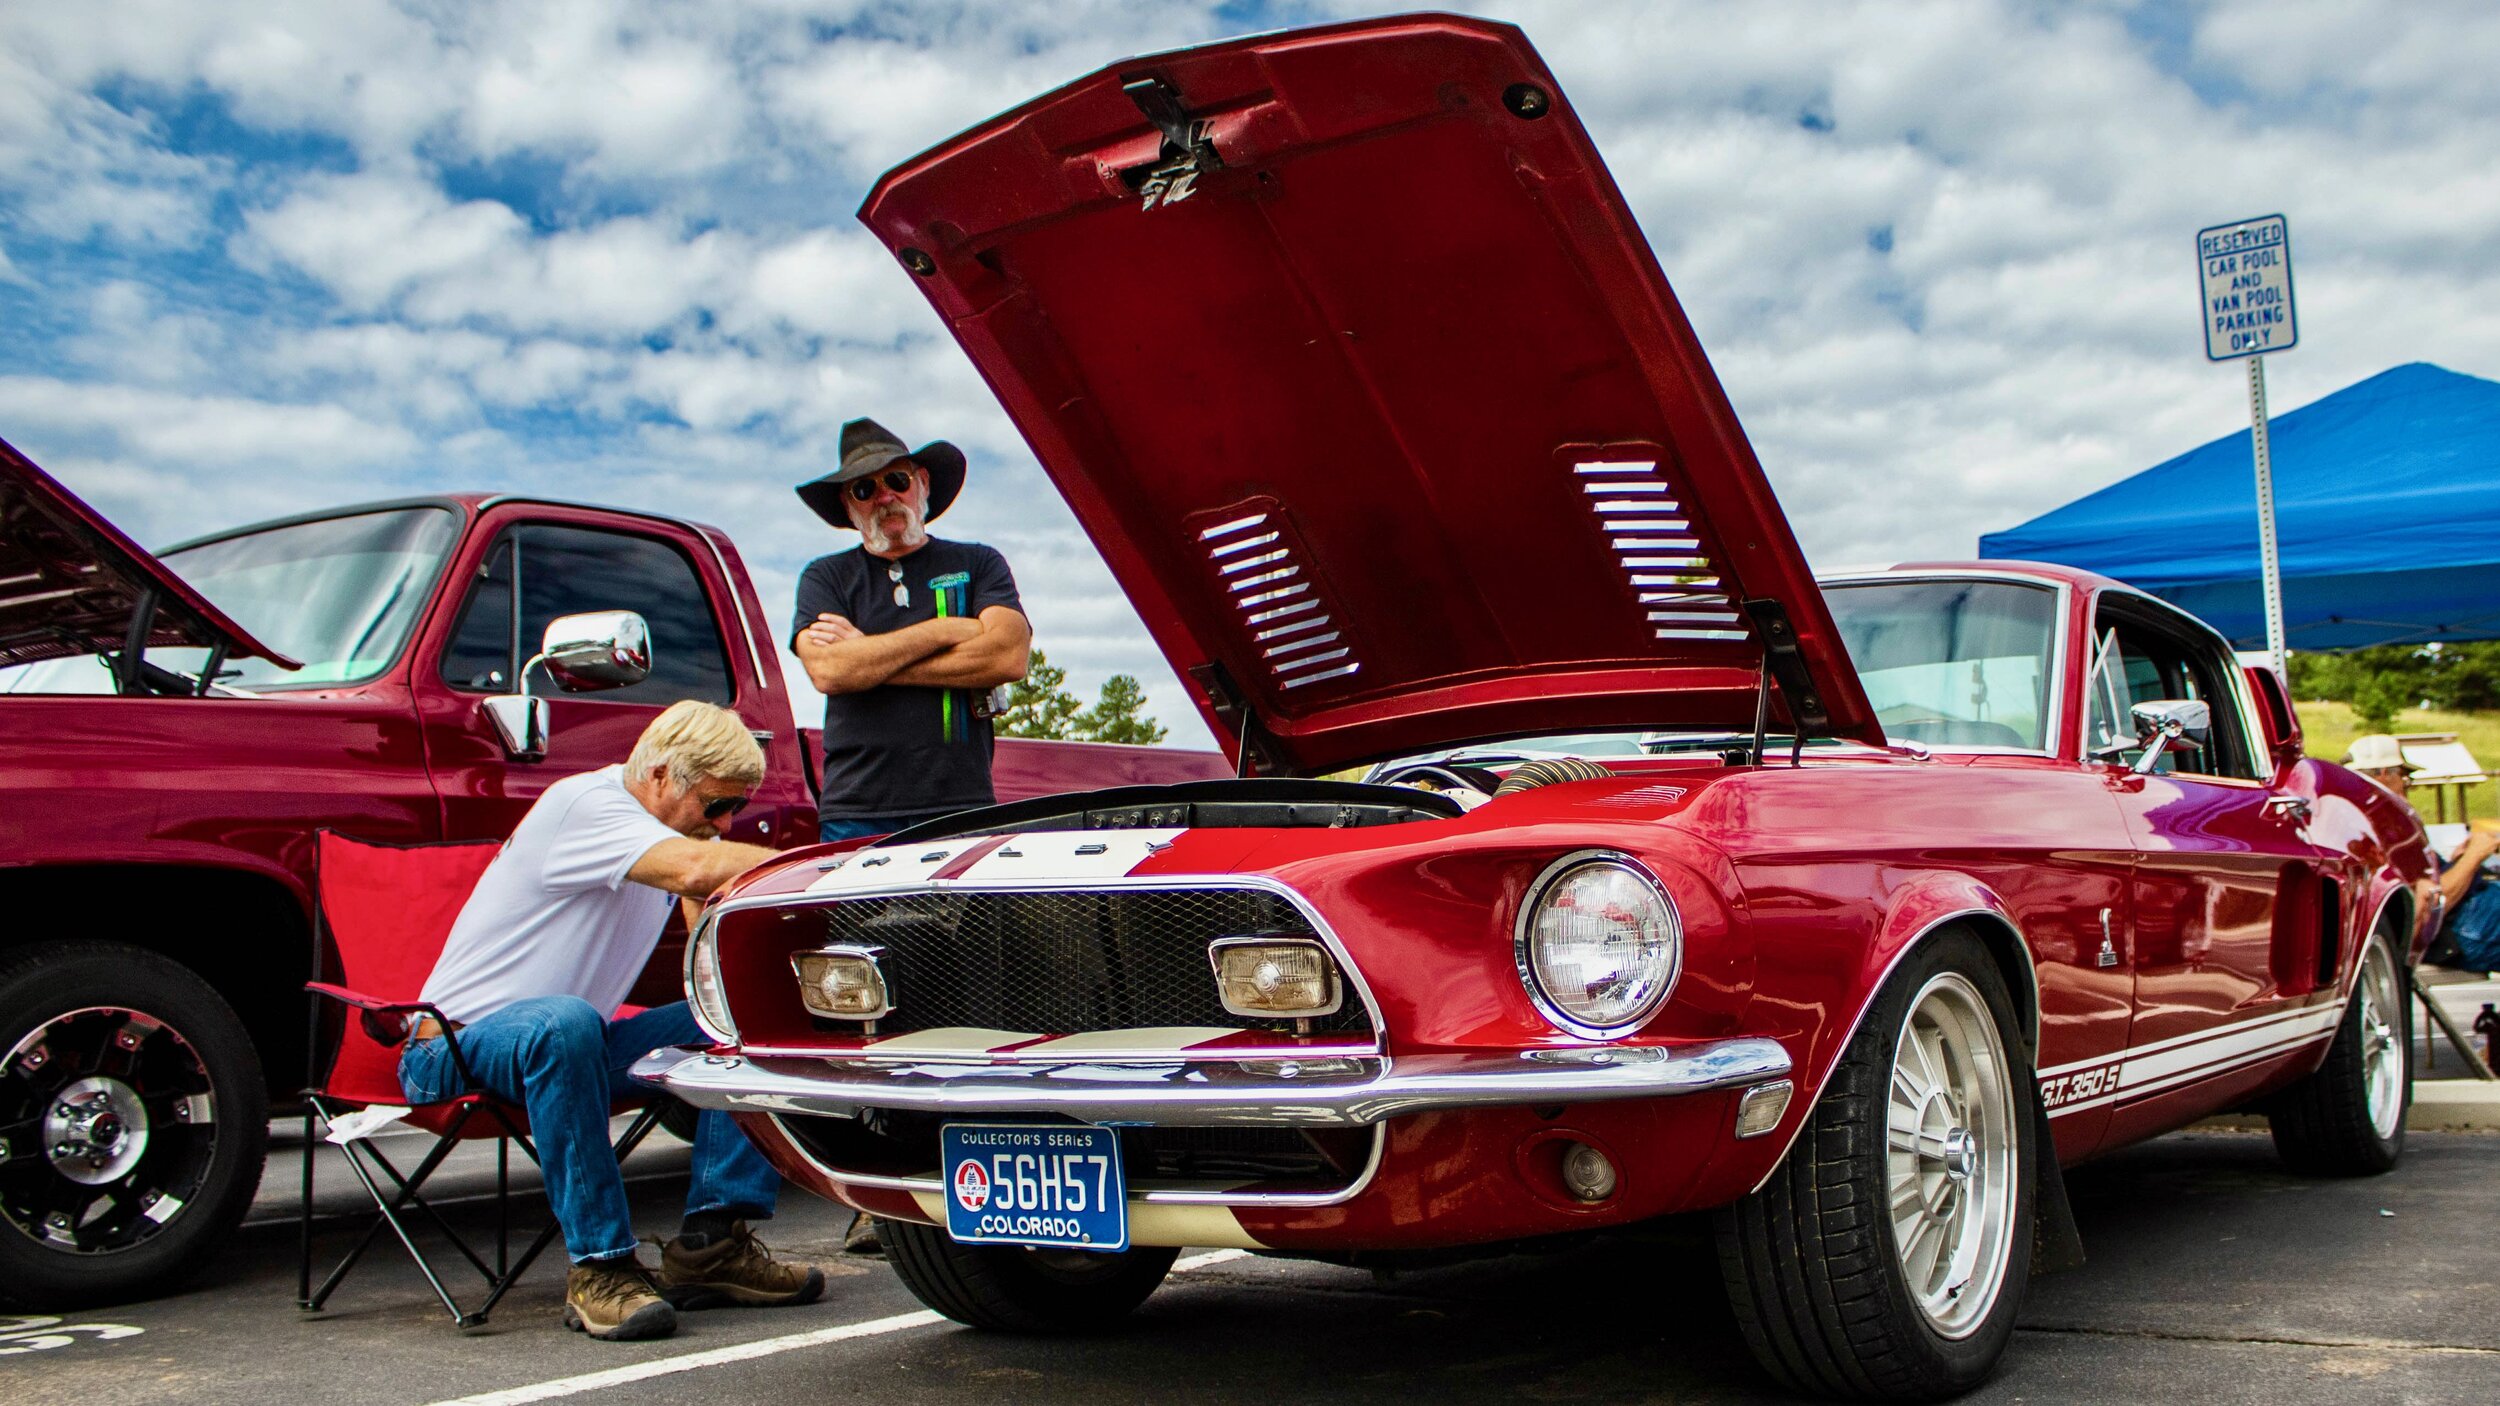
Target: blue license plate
{"x": 1016, "y": 1184}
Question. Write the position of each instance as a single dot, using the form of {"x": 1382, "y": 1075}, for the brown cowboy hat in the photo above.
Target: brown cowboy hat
{"x": 868, "y": 447}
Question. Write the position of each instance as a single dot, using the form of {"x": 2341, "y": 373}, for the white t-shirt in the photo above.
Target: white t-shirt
{"x": 554, "y": 914}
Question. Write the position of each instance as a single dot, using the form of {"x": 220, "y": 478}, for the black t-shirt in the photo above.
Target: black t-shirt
{"x": 900, "y": 749}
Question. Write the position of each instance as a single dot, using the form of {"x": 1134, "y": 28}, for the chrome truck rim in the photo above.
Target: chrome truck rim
{"x": 2382, "y": 1050}
{"x": 107, "y": 1129}
{"x": 1950, "y": 1149}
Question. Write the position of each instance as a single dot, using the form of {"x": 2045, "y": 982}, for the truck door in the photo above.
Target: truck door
{"x": 521, "y": 574}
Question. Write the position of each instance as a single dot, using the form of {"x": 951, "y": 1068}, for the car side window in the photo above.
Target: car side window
{"x": 538, "y": 571}
{"x": 2140, "y": 661}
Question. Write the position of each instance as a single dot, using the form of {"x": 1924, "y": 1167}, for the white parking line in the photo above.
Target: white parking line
{"x": 741, "y": 1352}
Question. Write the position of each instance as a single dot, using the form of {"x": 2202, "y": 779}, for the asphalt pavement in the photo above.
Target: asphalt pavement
{"x": 2212, "y": 1275}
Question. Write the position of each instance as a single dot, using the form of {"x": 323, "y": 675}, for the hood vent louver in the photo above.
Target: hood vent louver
{"x": 1298, "y": 638}
{"x": 1658, "y": 550}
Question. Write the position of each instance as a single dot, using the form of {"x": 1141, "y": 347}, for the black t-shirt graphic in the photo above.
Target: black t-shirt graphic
{"x": 899, "y": 749}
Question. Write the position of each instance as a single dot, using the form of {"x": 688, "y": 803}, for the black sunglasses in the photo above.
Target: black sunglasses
{"x": 724, "y": 807}
{"x": 896, "y": 480}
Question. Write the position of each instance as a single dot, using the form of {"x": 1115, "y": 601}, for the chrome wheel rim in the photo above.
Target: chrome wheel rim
{"x": 2383, "y": 1063}
{"x": 108, "y": 1129}
{"x": 1950, "y": 1151}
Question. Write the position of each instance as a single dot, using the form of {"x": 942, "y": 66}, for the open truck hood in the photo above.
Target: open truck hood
{"x": 1347, "y": 352}
{"x": 71, "y": 583}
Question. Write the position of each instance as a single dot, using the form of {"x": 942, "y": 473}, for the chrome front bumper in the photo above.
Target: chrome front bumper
{"x": 1330, "y": 1092}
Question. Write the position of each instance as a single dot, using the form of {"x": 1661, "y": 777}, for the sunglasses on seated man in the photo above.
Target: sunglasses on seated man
{"x": 895, "y": 480}
{"x": 722, "y": 807}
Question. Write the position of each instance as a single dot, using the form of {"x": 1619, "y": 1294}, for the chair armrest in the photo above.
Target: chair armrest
{"x": 376, "y": 1014}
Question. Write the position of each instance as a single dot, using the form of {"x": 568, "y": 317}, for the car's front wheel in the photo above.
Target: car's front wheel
{"x": 2348, "y": 1118}
{"x": 1886, "y": 1256}
{"x": 133, "y": 1121}
{"x": 1017, "y": 1290}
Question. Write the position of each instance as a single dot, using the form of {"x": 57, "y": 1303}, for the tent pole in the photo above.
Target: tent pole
{"x": 2270, "y": 559}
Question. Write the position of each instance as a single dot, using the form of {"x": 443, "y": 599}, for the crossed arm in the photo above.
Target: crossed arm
{"x": 957, "y": 651}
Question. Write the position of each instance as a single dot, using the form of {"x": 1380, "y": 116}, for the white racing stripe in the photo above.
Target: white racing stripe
{"x": 2183, "y": 1059}
{"x": 741, "y": 1352}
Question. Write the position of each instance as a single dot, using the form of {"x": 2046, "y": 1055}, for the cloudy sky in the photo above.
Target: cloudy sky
{"x": 267, "y": 256}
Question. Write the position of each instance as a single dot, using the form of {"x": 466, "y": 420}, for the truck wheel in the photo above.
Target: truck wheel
{"x": 1886, "y": 1256}
{"x": 133, "y": 1122}
{"x": 2348, "y": 1118}
{"x": 1016, "y": 1290}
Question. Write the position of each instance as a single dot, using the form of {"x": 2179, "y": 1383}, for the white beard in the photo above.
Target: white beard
{"x": 910, "y": 536}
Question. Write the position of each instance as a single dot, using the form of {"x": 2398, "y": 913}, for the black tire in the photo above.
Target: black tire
{"x": 95, "y": 1029}
{"x": 2334, "y": 1122}
{"x": 1812, "y": 1260}
{"x": 1012, "y": 1290}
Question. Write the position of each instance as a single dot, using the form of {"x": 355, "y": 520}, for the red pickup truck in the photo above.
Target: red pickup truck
{"x": 174, "y": 730}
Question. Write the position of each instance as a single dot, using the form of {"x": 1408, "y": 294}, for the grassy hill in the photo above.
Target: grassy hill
{"x": 2327, "y": 730}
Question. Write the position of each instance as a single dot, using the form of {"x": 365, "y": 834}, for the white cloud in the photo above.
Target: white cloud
{"x": 300, "y": 251}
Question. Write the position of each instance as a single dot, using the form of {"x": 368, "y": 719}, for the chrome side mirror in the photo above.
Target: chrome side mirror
{"x": 2169, "y": 725}
{"x": 594, "y": 650}
{"x": 521, "y": 721}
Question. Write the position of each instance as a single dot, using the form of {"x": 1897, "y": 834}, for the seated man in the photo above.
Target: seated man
{"x": 2469, "y": 936}
{"x": 547, "y": 947}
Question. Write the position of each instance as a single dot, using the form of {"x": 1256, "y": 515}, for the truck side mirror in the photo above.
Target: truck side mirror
{"x": 521, "y": 722}
{"x": 597, "y": 649}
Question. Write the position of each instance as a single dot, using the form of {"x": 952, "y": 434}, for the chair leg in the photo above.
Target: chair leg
{"x": 503, "y": 1207}
{"x": 303, "y": 1262}
{"x": 390, "y": 1216}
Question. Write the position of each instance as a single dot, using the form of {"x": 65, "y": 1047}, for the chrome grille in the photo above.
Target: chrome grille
{"x": 1065, "y": 962}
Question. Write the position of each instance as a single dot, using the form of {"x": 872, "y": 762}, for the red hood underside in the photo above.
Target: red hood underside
{"x": 70, "y": 581}
{"x": 1389, "y": 425}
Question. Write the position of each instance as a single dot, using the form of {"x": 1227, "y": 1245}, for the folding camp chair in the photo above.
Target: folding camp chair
{"x": 385, "y": 911}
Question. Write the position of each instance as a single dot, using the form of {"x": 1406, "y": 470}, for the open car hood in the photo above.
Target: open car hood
{"x": 1350, "y": 357}
{"x": 70, "y": 582}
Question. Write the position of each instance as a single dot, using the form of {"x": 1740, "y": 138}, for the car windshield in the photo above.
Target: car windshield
{"x": 1952, "y": 663}
{"x": 340, "y": 594}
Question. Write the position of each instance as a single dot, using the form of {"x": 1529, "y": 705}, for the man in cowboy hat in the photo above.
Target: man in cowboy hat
{"x": 905, "y": 635}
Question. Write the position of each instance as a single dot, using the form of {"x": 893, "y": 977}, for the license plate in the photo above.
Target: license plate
{"x": 1016, "y": 1184}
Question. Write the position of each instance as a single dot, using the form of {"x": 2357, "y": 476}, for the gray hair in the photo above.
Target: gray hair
{"x": 695, "y": 740}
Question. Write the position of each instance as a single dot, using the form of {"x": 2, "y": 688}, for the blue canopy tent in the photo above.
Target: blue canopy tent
{"x": 2387, "y": 513}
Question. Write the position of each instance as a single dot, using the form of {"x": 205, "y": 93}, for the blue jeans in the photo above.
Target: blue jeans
{"x": 851, "y": 827}
{"x": 556, "y": 1057}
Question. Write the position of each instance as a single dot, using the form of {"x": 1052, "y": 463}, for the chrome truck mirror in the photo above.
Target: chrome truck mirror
{"x": 597, "y": 649}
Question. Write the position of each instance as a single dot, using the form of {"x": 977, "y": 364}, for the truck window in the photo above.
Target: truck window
{"x": 567, "y": 570}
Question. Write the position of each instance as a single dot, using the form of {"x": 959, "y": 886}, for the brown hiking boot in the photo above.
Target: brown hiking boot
{"x": 734, "y": 1269}
{"x": 615, "y": 1300}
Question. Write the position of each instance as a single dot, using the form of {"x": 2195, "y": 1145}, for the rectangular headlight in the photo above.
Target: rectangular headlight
{"x": 843, "y": 983}
{"x": 1275, "y": 976}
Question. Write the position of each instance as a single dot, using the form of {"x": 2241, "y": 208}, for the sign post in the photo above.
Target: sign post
{"x": 2247, "y": 272}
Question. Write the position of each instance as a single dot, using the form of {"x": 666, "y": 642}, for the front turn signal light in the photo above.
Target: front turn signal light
{"x": 1275, "y": 976}
{"x": 843, "y": 983}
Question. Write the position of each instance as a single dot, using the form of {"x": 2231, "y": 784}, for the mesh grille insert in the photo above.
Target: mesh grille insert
{"x": 1064, "y": 963}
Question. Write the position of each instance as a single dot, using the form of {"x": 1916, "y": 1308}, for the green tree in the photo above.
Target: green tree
{"x": 2375, "y": 700}
{"x": 1041, "y": 705}
{"x": 1118, "y": 716}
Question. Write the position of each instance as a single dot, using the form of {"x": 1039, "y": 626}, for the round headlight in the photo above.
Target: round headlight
{"x": 703, "y": 984}
{"x": 1599, "y": 945}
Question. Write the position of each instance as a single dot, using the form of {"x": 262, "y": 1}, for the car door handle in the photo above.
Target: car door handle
{"x": 2291, "y": 808}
